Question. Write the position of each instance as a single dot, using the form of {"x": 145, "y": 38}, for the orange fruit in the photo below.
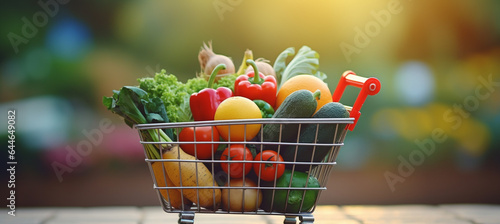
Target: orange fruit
{"x": 237, "y": 107}
{"x": 308, "y": 82}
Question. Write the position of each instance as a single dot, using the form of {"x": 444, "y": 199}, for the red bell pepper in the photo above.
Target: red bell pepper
{"x": 204, "y": 103}
{"x": 256, "y": 87}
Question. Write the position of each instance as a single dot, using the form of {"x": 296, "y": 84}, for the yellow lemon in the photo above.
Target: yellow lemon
{"x": 238, "y": 107}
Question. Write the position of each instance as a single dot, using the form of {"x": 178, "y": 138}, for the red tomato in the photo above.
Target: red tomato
{"x": 236, "y": 153}
{"x": 269, "y": 171}
{"x": 203, "y": 134}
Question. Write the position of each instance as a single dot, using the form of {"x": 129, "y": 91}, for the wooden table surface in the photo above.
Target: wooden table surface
{"x": 355, "y": 214}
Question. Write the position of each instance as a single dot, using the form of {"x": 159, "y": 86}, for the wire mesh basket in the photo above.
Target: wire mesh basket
{"x": 221, "y": 183}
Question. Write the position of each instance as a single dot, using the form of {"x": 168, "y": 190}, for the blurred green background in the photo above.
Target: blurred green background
{"x": 438, "y": 62}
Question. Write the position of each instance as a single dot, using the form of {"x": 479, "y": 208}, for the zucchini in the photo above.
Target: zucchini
{"x": 299, "y": 104}
{"x": 327, "y": 133}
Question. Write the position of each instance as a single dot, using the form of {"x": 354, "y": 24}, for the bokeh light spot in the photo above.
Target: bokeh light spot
{"x": 418, "y": 124}
{"x": 68, "y": 39}
{"x": 415, "y": 83}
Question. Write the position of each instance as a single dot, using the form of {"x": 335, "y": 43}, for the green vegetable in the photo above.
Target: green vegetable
{"x": 317, "y": 133}
{"x": 136, "y": 106}
{"x": 299, "y": 104}
{"x": 265, "y": 108}
{"x": 305, "y": 62}
{"x": 226, "y": 81}
{"x": 295, "y": 197}
{"x": 174, "y": 94}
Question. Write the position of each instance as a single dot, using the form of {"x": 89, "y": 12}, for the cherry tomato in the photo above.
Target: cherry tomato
{"x": 203, "y": 134}
{"x": 236, "y": 153}
{"x": 269, "y": 171}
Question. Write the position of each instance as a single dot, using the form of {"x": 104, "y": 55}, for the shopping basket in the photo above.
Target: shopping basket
{"x": 315, "y": 169}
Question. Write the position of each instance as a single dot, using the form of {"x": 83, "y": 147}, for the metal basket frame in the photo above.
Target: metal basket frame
{"x": 321, "y": 169}
{"x": 368, "y": 86}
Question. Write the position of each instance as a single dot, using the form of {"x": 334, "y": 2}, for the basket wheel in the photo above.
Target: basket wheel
{"x": 306, "y": 219}
{"x": 290, "y": 220}
{"x": 186, "y": 218}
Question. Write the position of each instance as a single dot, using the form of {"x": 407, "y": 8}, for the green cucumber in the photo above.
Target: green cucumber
{"x": 299, "y": 104}
{"x": 327, "y": 133}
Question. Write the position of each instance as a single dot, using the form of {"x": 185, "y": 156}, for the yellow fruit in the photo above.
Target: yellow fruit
{"x": 238, "y": 107}
{"x": 308, "y": 82}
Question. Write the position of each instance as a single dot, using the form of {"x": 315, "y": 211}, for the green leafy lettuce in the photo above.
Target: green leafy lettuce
{"x": 136, "y": 106}
{"x": 306, "y": 61}
{"x": 174, "y": 94}
{"x": 226, "y": 81}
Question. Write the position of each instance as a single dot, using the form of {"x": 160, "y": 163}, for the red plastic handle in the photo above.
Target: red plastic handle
{"x": 369, "y": 86}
